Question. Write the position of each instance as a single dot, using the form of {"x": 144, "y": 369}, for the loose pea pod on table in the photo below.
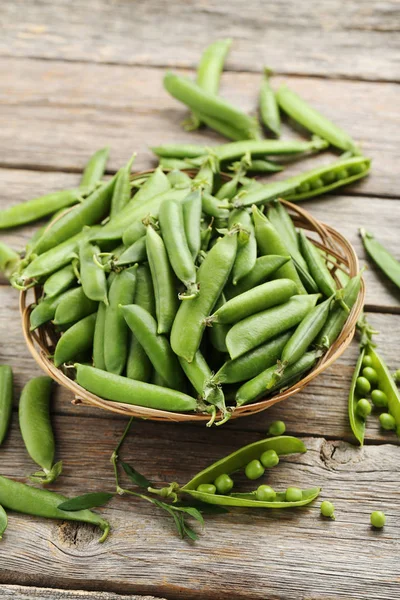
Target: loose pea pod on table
{"x": 269, "y": 109}
{"x": 387, "y": 385}
{"x": 6, "y": 399}
{"x": 30, "y": 500}
{"x": 36, "y": 430}
{"x": 385, "y": 261}
{"x": 356, "y": 416}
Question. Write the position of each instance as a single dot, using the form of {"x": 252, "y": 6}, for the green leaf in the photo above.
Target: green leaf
{"x": 135, "y": 476}
{"x": 193, "y": 512}
{"x": 190, "y": 532}
{"x": 86, "y": 501}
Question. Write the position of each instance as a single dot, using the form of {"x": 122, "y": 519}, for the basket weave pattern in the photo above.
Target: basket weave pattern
{"x": 342, "y": 257}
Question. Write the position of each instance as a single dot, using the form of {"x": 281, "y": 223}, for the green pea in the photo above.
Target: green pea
{"x": 329, "y": 177}
{"x": 277, "y": 428}
{"x": 342, "y": 174}
{"x": 387, "y": 421}
{"x": 379, "y": 398}
{"x": 367, "y": 361}
{"x": 363, "y": 408}
{"x": 303, "y": 187}
{"x": 207, "y": 488}
{"x": 356, "y": 169}
{"x": 363, "y": 386}
{"x": 223, "y": 484}
{"x": 293, "y": 494}
{"x": 378, "y": 519}
{"x": 269, "y": 458}
{"x": 370, "y": 374}
{"x": 327, "y": 509}
{"x": 316, "y": 183}
{"x": 254, "y": 469}
{"x": 266, "y": 493}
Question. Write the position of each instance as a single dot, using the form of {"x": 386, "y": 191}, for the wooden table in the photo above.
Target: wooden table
{"x": 78, "y": 75}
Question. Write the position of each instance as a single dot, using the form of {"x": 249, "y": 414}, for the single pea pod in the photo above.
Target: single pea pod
{"x": 228, "y": 130}
{"x": 387, "y": 384}
{"x": 181, "y": 151}
{"x": 174, "y": 236}
{"x": 134, "y": 232}
{"x": 60, "y": 281}
{"x": 9, "y": 260}
{"x": 73, "y": 306}
{"x": 122, "y": 292}
{"x": 357, "y": 421}
{"x": 179, "y": 179}
{"x": 229, "y": 189}
{"x": 264, "y": 166}
{"x": 99, "y": 337}
{"x": 253, "y": 362}
{"x": 280, "y": 219}
{"x": 204, "y": 178}
{"x": 209, "y": 71}
{"x": 190, "y": 320}
{"x": 213, "y": 207}
{"x": 308, "y": 282}
{"x": 307, "y": 116}
{"x": 6, "y": 400}
{"x": 266, "y": 382}
{"x": 43, "y": 503}
{"x": 339, "y": 315}
{"x": 46, "y": 309}
{"x": 175, "y": 164}
{"x": 262, "y": 148}
{"x": 269, "y": 242}
{"x": 385, "y": 261}
{"x": 259, "y": 298}
{"x": 122, "y": 188}
{"x": 136, "y": 253}
{"x": 36, "y": 430}
{"x": 158, "y": 183}
{"x": 208, "y": 104}
{"x": 163, "y": 281}
{"x": 317, "y": 266}
{"x": 77, "y": 339}
{"x": 129, "y": 391}
{"x": 247, "y": 245}
{"x": 92, "y": 275}
{"x": 263, "y": 326}
{"x": 264, "y": 267}
{"x": 191, "y": 207}
{"x": 95, "y": 208}
{"x": 3, "y": 521}
{"x": 269, "y": 109}
{"x": 94, "y": 169}
{"x": 156, "y": 346}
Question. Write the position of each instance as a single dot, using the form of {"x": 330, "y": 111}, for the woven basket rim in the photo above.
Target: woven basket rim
{"x": 334, "y": 243}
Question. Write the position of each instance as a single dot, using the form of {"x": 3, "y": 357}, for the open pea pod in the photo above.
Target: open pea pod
{"x": 250, "y": 500}
{"x": 387, "y": 385}
{"x": 357, "y": 423}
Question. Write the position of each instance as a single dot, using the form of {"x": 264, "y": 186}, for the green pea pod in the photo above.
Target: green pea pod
{"x": 122, "y": 189}
{"x": 263, "y": 326}
{"x": 156, "y": 346}
{"x": 387, "y": 385}
{"x": 121, "y": 389}
{"x": 269, "y": 242}
{"x": 229, "y": 130}
{"x": 213, "y": 207}
{"x": 247, "y": 251}
{"x": 94, "y": 169}
{"x": 189, "y": 323}
{"x": 253, "y": 362}
{"x": 9, "y": 260}
{"x": 179, "y": 179}
{"x": 98, "y": 337}
{"x": 46, "y": 309}
{"x": 205, "y": 238}
{"x": 264, "y": 267}
{"x": 73, "y": 306}
{"x": 269, "y": 109}
{"x": 6, "y": 400}
{"x": 136, "y": 253}
{"x": 299, "y": 110}
{"x": 250, "y": 500}
{"x": 163, "y": 281}
{"x": 59, "y": 281}
{"x": 305, "y": 278}
{"x": 253, "y": 301}
{"x": 267, "y": 382}
{"x": 89, "y": 212}
{"x": 134, "y": 232}
{"x": 219, "y": 330}
{"x": 262, "y": 148}
{"x": 191, "y": 218}
{"x": 158, "y": 183}
{"x": 92, "y": 276}
{"x": 75, "y": 340}
{"x": 280, "y": 219}
{"x": 181, "y": 151}
{"x": 210, "y": 105}
{"x": 305, "y": 333}
{"x": 204, "y": 179}
{"x": 357, "y": 422}
{"x": 264, "y": 166}
{"x": 36, "y": 430}
{"x": 43, "y": 503}
{"x": 122, "y": 292}
{"x": 317, "y": 266}
{"x": 339, "y": 314}
{"x": 174, "y": 236}
{"x": 3, "y": 521}
{"x": 209, "y": 71}
{"x": 174, "y": 164}
{"x": 385, "y": 261}
{"x": 229, "y": 189}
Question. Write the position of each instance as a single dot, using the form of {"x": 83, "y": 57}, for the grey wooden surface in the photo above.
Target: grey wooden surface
{"x": 75, "y": 76}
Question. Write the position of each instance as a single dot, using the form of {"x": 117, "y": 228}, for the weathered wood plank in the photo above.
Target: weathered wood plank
{"x": 320, "y": 409}
{"x": 328, "y": 39}
{"x": 41, "y": 101}
{"x": 27, "y": 593}
{"x": 143, "y": 555}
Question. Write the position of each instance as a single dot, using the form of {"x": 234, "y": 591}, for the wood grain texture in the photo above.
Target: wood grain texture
{"x": 328, "y": 39}
{"x": 42, "y": 102}
{"x": 27, "y": 593}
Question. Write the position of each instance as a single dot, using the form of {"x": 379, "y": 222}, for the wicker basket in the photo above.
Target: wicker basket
{"x": 342, "y": 257}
